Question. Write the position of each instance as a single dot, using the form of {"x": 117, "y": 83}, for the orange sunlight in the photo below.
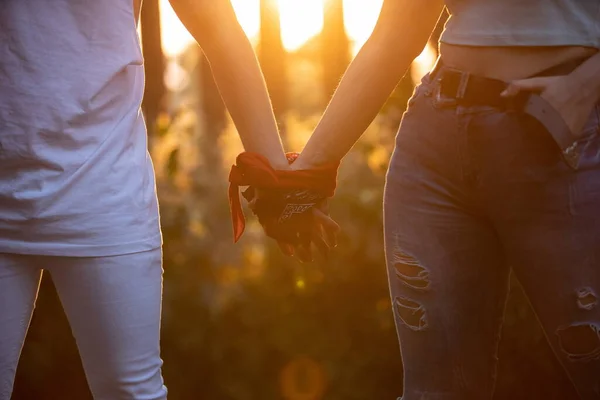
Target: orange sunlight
{"x": 423, "y": 63}
{"x": 300, "y": 21}
{"x": 175, "y": 38}
{"x": 360, "y": 17}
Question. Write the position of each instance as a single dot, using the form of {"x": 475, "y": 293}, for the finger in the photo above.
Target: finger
{"x": 252, "y": 204}
{"x": 323, "y": 206}
{"x": 328, "y": 226}
{"x": 277, "y": 232}
{"x": 304, "y": 238}
{"x": 329, "y": 236}
{"x": 538, "y": 84}
{"x": 303, "y": 253}
{"x": 321, "y": 245}
{"x": 511, "y": 90}
{"x": 326, "y": 221}
{"x": 286, "y": 248}
{"x": 324, "y": 239}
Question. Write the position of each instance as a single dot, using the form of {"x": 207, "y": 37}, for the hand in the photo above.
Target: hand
{"x": 295, "y": 232}
{"x": 321, "y": 232}
{"x": 563, "y": 94}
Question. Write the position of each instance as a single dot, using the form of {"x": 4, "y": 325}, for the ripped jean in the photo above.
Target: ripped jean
{"x": 113, "y": 305}
{"x": 471, "y": 193}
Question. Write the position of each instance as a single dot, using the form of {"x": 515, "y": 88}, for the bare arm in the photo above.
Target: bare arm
{"x": 237, "y": 73}
{"x": 399, "y": 36}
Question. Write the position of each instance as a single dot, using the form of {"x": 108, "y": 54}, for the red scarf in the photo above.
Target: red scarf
{"x": 252, "y": 169}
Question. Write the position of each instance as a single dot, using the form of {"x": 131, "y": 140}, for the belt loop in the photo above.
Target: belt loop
{"x": 437, "y": 67}
{"x": 462, "y": 85}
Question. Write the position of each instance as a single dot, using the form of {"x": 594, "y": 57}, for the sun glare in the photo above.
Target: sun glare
{"x": 175, "y": 38}
{"x": 300, "y": 21}
{"x": 423, "y": 63}
{"x": 360, "y": 17}
{"x": 248, "y": 13}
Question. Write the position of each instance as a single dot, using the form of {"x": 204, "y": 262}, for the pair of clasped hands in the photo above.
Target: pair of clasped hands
{"x": 291, "y": 204}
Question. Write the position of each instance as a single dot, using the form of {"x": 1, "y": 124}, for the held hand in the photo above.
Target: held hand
{"x": 297, "y": 234}
{"x": 322, "y": 233}
{"x": 290, "y": 206}
{"x": 562, "y": 93}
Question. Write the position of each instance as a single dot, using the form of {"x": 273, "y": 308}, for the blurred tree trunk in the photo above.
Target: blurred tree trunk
{"x": 214, "y": 117}
{"x": 335, "y": 46}
{"x": 272, "y": 56}
{"x": 153, "y": 62}
{"x": 211, "y": 177}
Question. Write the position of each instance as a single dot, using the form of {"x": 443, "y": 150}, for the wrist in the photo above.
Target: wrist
{"x": 302, "y": 163}
{"x": 279, "y": 162}
{"x": 309, "y": 161}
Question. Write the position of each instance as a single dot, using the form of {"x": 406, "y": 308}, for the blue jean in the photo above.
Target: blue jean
{"x": 113, "y": 305}
{"x": 471, "y": 193}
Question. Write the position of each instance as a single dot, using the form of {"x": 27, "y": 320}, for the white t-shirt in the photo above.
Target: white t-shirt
{"x": 76, "y": 178}
{"x": 523, "y": 23}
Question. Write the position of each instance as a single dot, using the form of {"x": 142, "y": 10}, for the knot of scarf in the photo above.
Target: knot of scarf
{"x": 252, "y": 169}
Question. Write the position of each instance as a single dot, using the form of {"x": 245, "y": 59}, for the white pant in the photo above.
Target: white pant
{"x": 113, "y": 305}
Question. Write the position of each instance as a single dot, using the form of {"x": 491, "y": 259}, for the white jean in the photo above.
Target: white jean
{"x": 113, "y": 305}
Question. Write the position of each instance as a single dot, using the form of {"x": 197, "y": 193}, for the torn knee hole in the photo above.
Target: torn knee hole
{"x": 410, "y": 272}
{"x": 411, "y": 313}
{"x": 580, "y": 342}
{"x": 586, "y": 299}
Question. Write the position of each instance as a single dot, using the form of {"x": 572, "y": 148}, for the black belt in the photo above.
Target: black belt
{"x": 462, "y": 88}
{"x": 465, "y": 88}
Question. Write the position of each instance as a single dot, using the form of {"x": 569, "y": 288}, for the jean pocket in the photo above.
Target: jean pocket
{"x": 587, "y": 146}
{"x": 578, "y": 151}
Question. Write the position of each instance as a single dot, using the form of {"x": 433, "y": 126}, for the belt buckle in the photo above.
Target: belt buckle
{"x": 459, "y": 95}
{"x": 441, "y": 100}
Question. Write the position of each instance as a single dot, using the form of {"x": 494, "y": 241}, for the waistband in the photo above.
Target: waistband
{"x": 454, "y": 87}
{"x": 559, "y": 69}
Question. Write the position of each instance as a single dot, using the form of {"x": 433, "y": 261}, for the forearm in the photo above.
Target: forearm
{"x": 242, "y": 87}
{"x": 399, "y": 36}
{"x": 363, "y": 90}
{"x": 586, "y": 78}
{"x": 237, "y": 74}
